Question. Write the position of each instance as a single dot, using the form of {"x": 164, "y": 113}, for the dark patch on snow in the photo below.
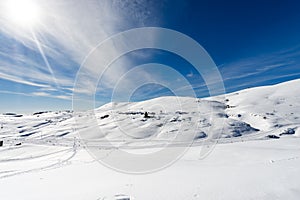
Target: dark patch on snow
{"x": 41, "y": 124}
{"x": 273, "y": 136}
{"x": 222, "y": 115}
{"x": 269, "y": 113}
{"x": 28, "y": 134}
{"x": 289, "y": 131}
{"x": 200, "y": 135}
{"x": 240, "y": 128}
{"x": 22, "y": 131}
{"x": 236, "y": 134}
{"x": 131, "y": 113}
{"x": 159, "y": 125}
{"x": 181, "y": 112}
{"x": 39, "y": 113}
{"x": 63, "y": 134}
{"x": 105, "y": 116}
{"x": 229, "y": 106}
{"x": 217, "y": 104}
{"x": 146, "y": 115}
{"x": 12, "y": 114}
{"x": 278, "y": 125}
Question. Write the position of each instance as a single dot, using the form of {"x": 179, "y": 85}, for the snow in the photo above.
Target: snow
{"x": 44, "y": 158}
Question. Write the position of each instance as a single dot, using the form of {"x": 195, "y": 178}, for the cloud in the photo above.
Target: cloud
{"x": 250, "y": 72}
{"x": 275, "y": 65}
{"x": 37, "y": 94}
{"x": 45, "y": 94}
{"x": 65, "y": 35}
{"x": 20, "y": 80}
{"x": 14, "y": 93}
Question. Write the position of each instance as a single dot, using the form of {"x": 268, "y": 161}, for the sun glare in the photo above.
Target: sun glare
{"x": 23, "y": 12}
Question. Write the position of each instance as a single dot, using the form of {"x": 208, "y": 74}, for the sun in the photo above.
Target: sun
{"x": 25, "y": 13}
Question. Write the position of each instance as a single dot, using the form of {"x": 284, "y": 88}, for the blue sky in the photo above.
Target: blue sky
{"x": 253, "y": 43}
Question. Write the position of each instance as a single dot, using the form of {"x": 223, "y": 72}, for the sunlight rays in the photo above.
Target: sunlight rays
{"x": 26, "y": 16}
{"x": 24, "y": 13}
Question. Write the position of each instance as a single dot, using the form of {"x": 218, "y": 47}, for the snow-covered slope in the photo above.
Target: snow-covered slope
{"x": 267, "y": 108}
{"x": 42, "y": 156}
{"x": 251, "y": 113}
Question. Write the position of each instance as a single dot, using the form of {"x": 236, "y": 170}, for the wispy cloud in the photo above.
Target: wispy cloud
{"x": 65, "y": 34}
{"x": 37, "y": 94}
{"x": 250, "y": 72}
{"x": 47, "y": 57}
{"x": 45, "y": 94}
{"x": 257, "y": 70}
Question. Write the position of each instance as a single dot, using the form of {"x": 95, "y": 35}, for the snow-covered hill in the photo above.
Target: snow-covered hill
{"x": 251, "y": 113}
{"x": 258, "y": 131}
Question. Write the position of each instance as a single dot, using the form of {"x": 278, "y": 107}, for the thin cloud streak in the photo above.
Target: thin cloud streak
{"x": 37, "y": 94}
{"x": 251, "y": 69}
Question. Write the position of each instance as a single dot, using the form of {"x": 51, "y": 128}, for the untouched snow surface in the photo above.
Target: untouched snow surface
{"x": 257, "y": 155}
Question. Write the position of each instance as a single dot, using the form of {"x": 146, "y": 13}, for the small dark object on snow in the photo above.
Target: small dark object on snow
{"x": 18, "y": 144}
{"x": 10, "y": 114}
{"x": 273, "y": 136}
{"x": 146, "y": 115}
{"x": 105, "y": 116}
{"x": 160, "y": 125}
{"x": 200, "y": 135}
{"x": 1, "y": 143}
{"x": 181, "y": 112}
{"x": 39, "y": 113}
{"x": 229, "y": 106}
{"x": 223, "y": 115}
